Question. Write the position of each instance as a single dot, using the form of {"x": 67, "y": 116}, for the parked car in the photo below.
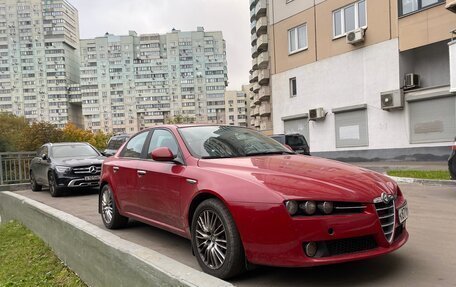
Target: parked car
{"x": 242, "y": 198}
{"x": 452, "y": 161}
{"x": 65, "y": 165}
{"x": 296, "y": 141}
{"x": 114, "y": 143}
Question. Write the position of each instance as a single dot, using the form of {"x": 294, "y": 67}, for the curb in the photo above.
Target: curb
{"x": 99, "y": 257}
{"x": 423, "y": 181}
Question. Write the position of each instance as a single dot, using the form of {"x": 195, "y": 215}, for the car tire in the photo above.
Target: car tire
{"x": 216, "y": 241}
{"x": 110, "y": 215}
{"x": 34, "y": 185}
{"x": 53, "y": 188}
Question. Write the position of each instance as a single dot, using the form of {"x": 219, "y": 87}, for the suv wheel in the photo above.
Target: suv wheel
{"x": 53, "y": 188}
{"x": 35, "y": 185}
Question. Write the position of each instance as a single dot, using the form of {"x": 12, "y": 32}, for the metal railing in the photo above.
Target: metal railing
{"x": 15, "y": 167}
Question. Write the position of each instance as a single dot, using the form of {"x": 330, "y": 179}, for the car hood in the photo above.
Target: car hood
{"x": 79, "y": 161}
{"x": 305, "y": 177}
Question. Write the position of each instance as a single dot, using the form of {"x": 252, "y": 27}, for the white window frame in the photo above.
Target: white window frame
{"x": 342, "y": 18}
{"x": 290, "y": 85}
{"x": 294, "y": 30}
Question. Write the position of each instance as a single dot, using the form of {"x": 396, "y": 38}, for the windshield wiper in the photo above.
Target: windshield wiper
{"x": 269, "y": 153}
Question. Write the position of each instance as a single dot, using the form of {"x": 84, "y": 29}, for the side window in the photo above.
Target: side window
{"x": 135, "y": 146}
{"x": 162, "y": 138}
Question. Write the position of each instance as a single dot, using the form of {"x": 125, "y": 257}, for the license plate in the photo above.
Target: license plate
{"x": 403, "y": 213}
{"x": 93, "y": 177}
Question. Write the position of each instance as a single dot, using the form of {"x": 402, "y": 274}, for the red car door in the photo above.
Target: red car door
{"x": 124, "y": 176}
{"x": 161, "y": 183}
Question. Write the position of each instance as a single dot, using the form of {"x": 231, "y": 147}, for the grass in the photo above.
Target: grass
{"x": 25, "y": 260}
{"x": 422, "y": 174}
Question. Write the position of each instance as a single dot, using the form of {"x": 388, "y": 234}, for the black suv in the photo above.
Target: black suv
{"x": 115, "y": 143}
{"x": 296, "y": 141}
{"x": 65, "y": 165}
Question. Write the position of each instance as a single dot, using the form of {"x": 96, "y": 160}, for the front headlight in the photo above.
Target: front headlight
{"x": 62, "y": 169}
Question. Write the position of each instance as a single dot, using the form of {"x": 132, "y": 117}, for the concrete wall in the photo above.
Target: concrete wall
{"x": 99, "y": 257}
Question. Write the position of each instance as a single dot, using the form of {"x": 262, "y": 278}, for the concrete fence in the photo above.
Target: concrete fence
{"x": 99, "y": 257}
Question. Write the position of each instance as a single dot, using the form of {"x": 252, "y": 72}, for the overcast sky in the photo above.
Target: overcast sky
{"x": 96, "y": 17}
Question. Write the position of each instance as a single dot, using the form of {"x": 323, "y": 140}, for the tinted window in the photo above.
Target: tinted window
{"x": 116, "y": 143}
{"x": 293, "y": 140}
{"x": 162, "y": 138}
{"x": 228, "y": 141}
{"x": 135, "y": 146}
{"x": 76, "y": 150}
{"x": 280, "y": 139}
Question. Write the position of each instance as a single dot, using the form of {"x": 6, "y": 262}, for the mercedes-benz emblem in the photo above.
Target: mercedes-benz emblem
{"x": 386, "y": 198}
{"x": 92, "y": 169}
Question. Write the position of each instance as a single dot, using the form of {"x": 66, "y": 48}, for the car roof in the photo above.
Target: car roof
{"x": 67, "y": 143}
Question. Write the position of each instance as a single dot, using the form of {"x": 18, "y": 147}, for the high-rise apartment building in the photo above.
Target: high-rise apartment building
{"x": 236, "y": 108}
{"x": 39, "y": 59}
{"x": 260, "y": 73}
{"x": 364, "y": 78}
{"x": 131, "y": 82}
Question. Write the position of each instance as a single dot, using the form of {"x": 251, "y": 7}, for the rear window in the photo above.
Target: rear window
{"x": 280, "y": 139}
{"x": 116, "y": 143}
{"x": 294, "y": 140}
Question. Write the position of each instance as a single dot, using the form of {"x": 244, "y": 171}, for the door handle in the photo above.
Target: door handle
{"x": 141, "y": 172}
{"x": 115, "y": 169}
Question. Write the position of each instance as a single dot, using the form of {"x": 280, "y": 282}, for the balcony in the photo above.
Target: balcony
{"x": 265, "y": 109}
{"x": 250, "y": 78}
{"x": 264, "y": 93}
{"x": 252, "y": 122}
{"x": 252, "y": 113}
{"x": 262, "y": 43}
{"x": 253, "y": 39}
{"x": 263, "y": 60}
{"x": 260, "y": 9}
{"x": 256, "y": 87}
{"x": 253, "y": 27}
{"x": 263, "y": 77}
{"x": 451, "y": 5}
{"x": 265, "y": 124}
{"x": 252, "y": 14}
{"x": 252, "y": 103}
{"x": 254, "y": 51}
{"x": 257, "y": 122}
{"x": 256, "y": 111}
{"x": 255, "y": 64}
{"x": 252, "y": 3}
{"x": 255, "y": 76}
{"x": 262, "y": 26}
{"x": 256, "y": 99}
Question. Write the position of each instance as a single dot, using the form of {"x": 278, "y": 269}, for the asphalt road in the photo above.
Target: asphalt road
{"x": 428, "y": 259}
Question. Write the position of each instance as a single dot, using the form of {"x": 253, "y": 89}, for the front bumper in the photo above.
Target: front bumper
{"x": 69, "y": 181}
{"x": 271, "y": 237}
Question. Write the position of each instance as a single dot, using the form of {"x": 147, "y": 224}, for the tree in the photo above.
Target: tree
{"x": 178, "y": 119}
{"x": 37, "y": 134}
{"x": 11, "y": 128}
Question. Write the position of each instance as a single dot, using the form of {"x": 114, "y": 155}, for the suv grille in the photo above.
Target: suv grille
{"x": 87, "y": 169}
{"x": 386, "y": 214}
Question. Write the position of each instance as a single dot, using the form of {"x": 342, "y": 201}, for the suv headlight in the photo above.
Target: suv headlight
{"x": 62, "y": 169}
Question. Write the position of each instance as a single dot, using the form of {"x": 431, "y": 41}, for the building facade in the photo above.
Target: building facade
{"x": 236, "y": 108}
{"x": 39, "y": 59}
{"x": 364, "y": 79}
{"x": 261, "y": 36}
{"x": 131, "y": 82}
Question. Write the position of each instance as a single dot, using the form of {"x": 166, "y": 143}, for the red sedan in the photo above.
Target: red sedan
{"x": 243, "y": 198}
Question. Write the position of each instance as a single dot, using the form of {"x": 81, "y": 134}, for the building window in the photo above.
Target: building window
{"x": 351, "y": 128}
{"x": 297, "y": 39}
{"x": 349, "y": 18}
{"x": 410, "y": 6}
{"x": 293, "y": 90}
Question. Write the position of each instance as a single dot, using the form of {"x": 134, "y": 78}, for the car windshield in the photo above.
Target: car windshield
{"x": 296, "y": 140}
{"x": 229, "y": 141}
{"x": 116, "y": 143}
{"x": 76, "y": 150}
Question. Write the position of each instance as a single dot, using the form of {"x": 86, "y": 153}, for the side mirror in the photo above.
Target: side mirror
{"x": 162, "y": 154}
{"x": 44, "y": 156}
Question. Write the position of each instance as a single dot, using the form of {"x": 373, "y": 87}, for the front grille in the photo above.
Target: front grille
{"x": 344, "y": 246}
{"x": 86, "y": 169}
{"x": 386, "y": 214}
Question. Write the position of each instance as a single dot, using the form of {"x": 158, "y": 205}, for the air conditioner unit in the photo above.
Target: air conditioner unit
{"x": 355, "y": 36}
{"x": 316, "y": 114}
{"x": 392, "y": 100}
{"x": 411, "y": 81}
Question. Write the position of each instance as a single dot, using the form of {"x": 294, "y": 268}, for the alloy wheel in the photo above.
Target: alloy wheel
{"x": 107, "y": 208}
{"x": 211, "y": 239}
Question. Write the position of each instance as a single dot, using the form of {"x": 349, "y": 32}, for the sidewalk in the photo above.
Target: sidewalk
{"x": 384, "y": 166}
